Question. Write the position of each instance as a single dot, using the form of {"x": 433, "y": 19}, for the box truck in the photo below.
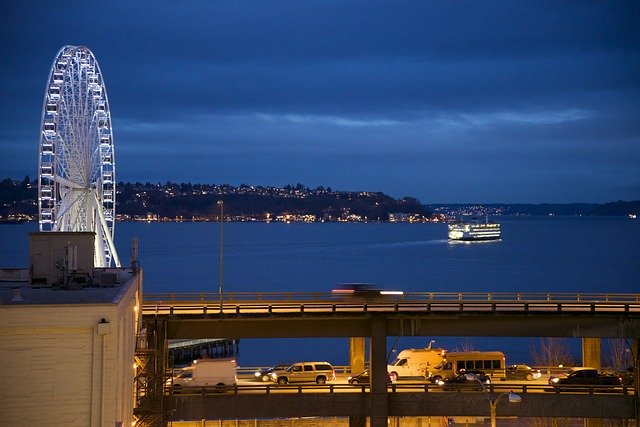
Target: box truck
{"x": 219, "y": 373}
{"x": 416, "y": 362}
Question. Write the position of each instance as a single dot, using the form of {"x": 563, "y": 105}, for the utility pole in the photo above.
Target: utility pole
{"x": 221, "y": 204}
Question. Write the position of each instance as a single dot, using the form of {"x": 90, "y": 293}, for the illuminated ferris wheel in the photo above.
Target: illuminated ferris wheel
{"x": 76, "y": 165}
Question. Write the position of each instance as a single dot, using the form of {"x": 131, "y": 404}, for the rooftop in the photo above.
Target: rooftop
{"x": 15, "y": 289}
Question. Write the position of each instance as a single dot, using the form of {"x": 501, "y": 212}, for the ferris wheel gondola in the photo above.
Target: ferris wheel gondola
{"x": 76, "y": 164}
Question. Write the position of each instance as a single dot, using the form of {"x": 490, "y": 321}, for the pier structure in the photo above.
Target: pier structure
{"x": 183, "y": 352}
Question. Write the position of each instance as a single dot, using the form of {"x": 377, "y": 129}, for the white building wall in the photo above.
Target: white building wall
{"x": 128, "y": 311}
{"x": 51, "y": 363}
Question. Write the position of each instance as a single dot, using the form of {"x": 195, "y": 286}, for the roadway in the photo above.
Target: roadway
{"x": 254, "y": 399}
{"x": 298, "y": 314}
{"x": 238, "y": 303}
{"x": 247, "y": 384}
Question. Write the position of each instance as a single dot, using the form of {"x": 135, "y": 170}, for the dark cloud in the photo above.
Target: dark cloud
{"x": 445, "y": 101}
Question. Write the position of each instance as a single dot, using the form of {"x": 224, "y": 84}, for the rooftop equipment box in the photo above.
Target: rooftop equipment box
{"x": 57, "y": 257}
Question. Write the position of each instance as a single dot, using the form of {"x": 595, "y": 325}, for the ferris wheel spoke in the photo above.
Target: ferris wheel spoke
{"x": 63, "y": 159}
{"x": 70, "y": 202}
{"x": 104, "y": 229}
{"x": 68, "y": 183}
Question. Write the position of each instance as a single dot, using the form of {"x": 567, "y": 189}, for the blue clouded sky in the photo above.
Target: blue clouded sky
{"x": 451, "y": 101}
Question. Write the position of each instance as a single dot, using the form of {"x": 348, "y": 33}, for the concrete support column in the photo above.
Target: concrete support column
{"x": 356, "y": 354}
{"x": 378, "y": 355}
{"x": 636, "y": 375}
{"x": 592, "y": 352}
{"x": 356, "y": 364}
{"x": 157, "y": 338}
{"x": 592, "y": 357}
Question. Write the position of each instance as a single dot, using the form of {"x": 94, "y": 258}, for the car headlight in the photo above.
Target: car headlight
{"x": 273, "y": 375}
{"x": 440, "y": 382}
{"x": 257, "y": 374}
{"x": 554, "y": 380}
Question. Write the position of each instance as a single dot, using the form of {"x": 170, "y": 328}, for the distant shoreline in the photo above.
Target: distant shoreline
{"x": 173, "y": 202}
{"x": 227, "y": 220}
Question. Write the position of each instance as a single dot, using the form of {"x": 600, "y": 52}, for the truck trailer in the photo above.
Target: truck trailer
{"x": 219, "y": 373}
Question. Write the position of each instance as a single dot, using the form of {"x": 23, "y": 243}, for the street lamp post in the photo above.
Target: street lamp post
{"x": 221, "y": 204}
{"x": 493, "y": 403}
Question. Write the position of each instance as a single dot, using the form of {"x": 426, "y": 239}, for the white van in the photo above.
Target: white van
{"x": 219, "y": 373}
{"x": 416, "y": 362}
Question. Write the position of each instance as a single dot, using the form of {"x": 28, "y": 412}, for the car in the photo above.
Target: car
{"x": 363, "y": 291}
{"x": 318, "y": 372}
{"x": 522, "y": 372}
{"x": 626, "y": 374}
{"x": 584, "y": 376}
{"x": 465, "y": 381}
{"x": 365, "y": 378}
{"x": 263, "y": 373}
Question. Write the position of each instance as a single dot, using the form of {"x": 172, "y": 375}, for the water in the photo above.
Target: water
{"x": 536, "y": 254}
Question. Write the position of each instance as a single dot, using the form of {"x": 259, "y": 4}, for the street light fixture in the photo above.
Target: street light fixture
{"x": 493, "y": 403}
{"x": 221, "y": 204}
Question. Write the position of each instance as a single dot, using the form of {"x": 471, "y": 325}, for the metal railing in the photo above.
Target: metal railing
{"x": 292, "y": 302}
{"x": 419, "y": 387}
{"x": 238, "y": 297}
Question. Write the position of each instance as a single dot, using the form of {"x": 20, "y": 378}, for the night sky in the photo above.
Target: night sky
{"x": 449, "y": 102}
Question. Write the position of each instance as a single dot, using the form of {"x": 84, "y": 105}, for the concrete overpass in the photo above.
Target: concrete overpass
{"x": 286, "y": 315}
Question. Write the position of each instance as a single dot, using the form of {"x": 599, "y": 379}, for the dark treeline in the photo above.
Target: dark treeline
{"x": 170, "y": 200}
{"x": 188, "y": 200}
{"x": 200, "y": 200}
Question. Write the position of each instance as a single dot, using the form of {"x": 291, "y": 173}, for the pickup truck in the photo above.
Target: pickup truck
{"x": 584, "y": 377}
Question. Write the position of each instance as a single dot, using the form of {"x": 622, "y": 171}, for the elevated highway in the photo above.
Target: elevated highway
{"x": 291, "y": 314}
{"x": 282, "y": 315}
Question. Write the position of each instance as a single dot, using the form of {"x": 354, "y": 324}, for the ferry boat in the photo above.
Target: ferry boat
{"x": 474, "y": 230}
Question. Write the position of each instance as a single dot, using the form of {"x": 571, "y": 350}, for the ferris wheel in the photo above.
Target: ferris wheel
{"x": 76, "y": 165}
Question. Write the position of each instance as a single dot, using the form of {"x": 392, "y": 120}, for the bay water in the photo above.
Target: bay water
{"x": 536, "y": 254}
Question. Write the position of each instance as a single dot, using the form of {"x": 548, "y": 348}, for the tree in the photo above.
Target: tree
{"x": 552, "y": 352}
{"x": 466, "y": 345}
{"x": 618, "y": 353}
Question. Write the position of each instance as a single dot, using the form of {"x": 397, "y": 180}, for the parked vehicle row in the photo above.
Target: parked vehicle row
{"x": 447, "y": 369}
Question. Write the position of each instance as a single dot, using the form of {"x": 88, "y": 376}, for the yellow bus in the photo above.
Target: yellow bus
{"x": 492, "y": 363}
